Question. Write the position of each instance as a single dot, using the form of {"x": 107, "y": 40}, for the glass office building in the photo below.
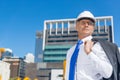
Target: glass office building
{"x": 38, "y": 47}
{"x": 60, "y": 35}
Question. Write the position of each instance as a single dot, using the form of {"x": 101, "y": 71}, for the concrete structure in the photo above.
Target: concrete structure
{"x": 17, "y": 67}
{"x": 44, "y": 69}
{"x": 56, "y": 74}
{"x": 60, "y": 35}
{"x": 4, "y": 70}
{"x": 31, "y": 70}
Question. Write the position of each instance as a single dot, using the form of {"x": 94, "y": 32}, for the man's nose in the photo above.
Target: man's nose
{"x": 86, "y": 24}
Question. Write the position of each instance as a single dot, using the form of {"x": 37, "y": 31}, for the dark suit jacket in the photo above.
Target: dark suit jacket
{"x": 113, "y": 55}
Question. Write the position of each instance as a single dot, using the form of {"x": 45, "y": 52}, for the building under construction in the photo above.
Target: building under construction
{"x": 60, "y": 35}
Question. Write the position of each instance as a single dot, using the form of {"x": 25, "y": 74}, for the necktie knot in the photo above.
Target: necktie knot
{"x": 79, "y": 43}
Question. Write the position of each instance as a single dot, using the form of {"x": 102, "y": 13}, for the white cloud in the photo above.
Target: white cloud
{"x": 29, "y": 58}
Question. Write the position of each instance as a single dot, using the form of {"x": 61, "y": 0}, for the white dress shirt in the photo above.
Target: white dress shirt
{"x": 93, "y": 66}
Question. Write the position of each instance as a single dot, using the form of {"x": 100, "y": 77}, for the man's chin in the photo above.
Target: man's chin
{"x": 87, "y": 32}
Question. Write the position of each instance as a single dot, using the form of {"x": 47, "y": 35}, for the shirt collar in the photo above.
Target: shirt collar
{"x": 87, "y": 38}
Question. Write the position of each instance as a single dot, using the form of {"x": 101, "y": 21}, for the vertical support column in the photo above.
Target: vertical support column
{"x": 68, "y": 27}
{"x": 44, "y": 33}
{"x": 56, "y": 27}
{"x": 105, "y": 25}
{"x": 98, "y": 26}
{"x": 112, "y": 29}
{"x": 62, "y": 27}
{"x": 50, "y": 28}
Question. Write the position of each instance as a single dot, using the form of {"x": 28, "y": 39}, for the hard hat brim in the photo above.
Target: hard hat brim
{"x": 93, "y": 20}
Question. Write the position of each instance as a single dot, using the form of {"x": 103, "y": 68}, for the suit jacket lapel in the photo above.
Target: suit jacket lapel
{"x": 107, "y": 51}
{"x": 105, "y": 48}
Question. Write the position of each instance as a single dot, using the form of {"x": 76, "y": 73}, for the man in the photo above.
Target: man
{"x": 91, "y": 59}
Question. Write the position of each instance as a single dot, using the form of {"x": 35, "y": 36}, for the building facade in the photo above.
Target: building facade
{"x": 45, "y": 68}
{"x": 60, "y": 35}
{"x": 17, "y": 67}
{"x": 31, "y": 70}
{"x": 38, "y": 47}
{"x": 4, "y": 71}
{"x": 57, "y": 74}
{"x": 7, "y": 55}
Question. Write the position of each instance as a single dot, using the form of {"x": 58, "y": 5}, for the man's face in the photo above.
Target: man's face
{"x": 85, "y": 27}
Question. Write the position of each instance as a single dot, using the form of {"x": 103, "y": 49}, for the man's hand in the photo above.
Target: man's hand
{"x": 88, "y": 46}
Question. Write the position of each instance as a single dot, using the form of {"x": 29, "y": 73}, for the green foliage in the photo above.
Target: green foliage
{"x": 16, "y": 78}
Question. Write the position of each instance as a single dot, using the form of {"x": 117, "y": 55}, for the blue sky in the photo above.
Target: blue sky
{"x": 20, "y": 19}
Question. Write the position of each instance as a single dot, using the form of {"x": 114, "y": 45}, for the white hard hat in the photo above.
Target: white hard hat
{"x": 86, "y": 15}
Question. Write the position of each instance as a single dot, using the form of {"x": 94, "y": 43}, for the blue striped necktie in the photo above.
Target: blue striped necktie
{"x": 74, "y": 60}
